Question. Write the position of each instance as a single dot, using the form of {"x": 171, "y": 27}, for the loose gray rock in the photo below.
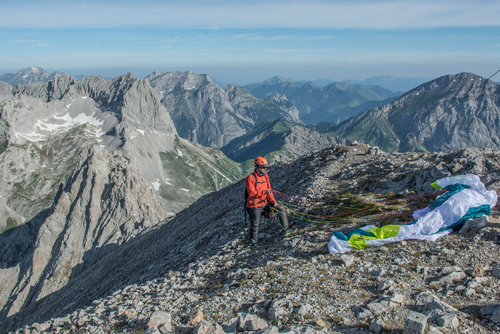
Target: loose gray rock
{"x": 230, "y": 326}
{"x": 415, "y": 323}
{"x": 160, "y": 318}
{"x": 495, "y": 316}
{"x": 276, "y": 313}
{"x": 496, "y": 271}
{"x": 304, "y": 309}
{"x": 452, "y": 278}
{"x": 347, "y": 259}
{"x": 268, "y": 330}
{"x": 251, "y": 322}
{"x": 298, "y": 330}
{"x": 152, "y": 330}
{"x": 474, "y": 224}
{"x": 447, "y": 321}
{"x": 377, "y": 308}
{"x": 377, "y": 272}
{"x": 384, "y": 285}
{"x": 364, "y": 314}
{"x": 205, "y": 327}
{"x": 376, "y": 326}
{"x": 434, "y": 330}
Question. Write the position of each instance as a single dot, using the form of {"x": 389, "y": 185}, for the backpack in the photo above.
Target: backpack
{"x": 246, "y": 196}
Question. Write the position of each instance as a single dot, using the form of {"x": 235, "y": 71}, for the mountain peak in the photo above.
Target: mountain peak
{"x": 278, "y": 80}
{"x": 27, "y": 76}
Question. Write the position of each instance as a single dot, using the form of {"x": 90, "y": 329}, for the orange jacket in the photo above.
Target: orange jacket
{"x": 257, "y": 196}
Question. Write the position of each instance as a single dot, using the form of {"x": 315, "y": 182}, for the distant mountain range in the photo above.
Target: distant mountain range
{"x": 319, "y": 82}
{"x": 392, "y": 83}
{"x": 333, "y": 103}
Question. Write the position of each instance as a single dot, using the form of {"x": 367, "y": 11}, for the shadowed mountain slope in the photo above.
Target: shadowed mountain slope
{"x": 277, "y": 140}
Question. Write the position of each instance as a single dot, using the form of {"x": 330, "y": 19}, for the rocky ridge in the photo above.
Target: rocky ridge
{"x": 282, "y": 102}
{"x": 197, "y": 272}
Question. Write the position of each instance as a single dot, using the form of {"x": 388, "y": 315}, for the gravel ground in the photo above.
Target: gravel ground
{"x": 292, "y": 285}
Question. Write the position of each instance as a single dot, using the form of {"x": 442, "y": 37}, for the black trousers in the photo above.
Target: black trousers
{"x": 255, "y": 213}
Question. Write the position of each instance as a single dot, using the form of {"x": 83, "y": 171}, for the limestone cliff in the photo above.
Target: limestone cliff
{"x": 451, "y": 112}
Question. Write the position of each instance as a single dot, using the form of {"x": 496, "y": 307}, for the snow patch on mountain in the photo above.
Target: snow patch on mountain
{"x": 45, "y": 128}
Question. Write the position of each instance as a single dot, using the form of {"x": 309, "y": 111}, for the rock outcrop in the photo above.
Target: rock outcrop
{"x": 5, "y": 90}
{"x": 282, "y": 102}
{"x": 200, "y": 109}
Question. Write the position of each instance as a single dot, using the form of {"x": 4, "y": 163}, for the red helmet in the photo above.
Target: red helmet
{"x": 260, "y": 161}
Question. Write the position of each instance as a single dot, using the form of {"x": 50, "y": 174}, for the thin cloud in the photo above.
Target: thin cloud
{"x": 28, "y": 41}
{"x": 290, "y": 50}
{"x": 225, "y": 14}
{"x": 167, "y": 40}
{"x": 257, "y": 37}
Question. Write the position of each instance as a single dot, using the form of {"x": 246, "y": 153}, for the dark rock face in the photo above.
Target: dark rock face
{"x": 103, "y": 204}
{"x": 434, "y": 117}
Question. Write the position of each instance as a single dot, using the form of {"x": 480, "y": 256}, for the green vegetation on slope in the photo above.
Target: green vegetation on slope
{"x": 369, "y": 129}
{"x": 194, "y": 171}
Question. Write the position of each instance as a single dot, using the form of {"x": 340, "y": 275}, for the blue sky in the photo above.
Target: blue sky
{"x": 247, "y": 41}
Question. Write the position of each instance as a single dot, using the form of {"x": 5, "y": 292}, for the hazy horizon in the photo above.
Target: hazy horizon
{"x": 242, "y": 42}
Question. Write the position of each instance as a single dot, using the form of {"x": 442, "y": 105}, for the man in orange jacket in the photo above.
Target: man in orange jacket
{"x": 260, "y": 199}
